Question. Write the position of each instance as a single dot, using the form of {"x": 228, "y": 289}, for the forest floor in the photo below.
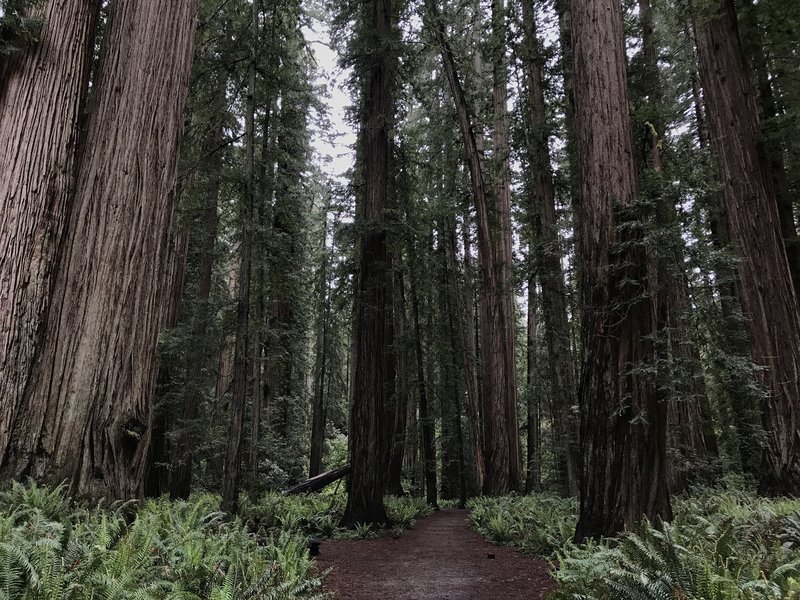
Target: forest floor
{"x": 440, "y": 559}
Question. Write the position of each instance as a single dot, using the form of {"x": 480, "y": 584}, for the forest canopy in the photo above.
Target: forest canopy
{"x": 562, "y": 258}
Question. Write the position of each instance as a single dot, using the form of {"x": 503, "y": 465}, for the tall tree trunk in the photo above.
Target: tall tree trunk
{"x": 753, "y": 45}
{"x": 318, "y": 403}
{"x": 265, "y": 185}
{"x": 768, "y": 294}
{"x": 623, "y": 423}
{"x": 197, "y": 355}
{"x": 504, "y": 256}
{"x": 455, "y": 391}
{"x": 402, "y": 391}
{"x": 533, "y": 479}
{"x": 548, "y": 255}
{"x": 567, "y": 73}
{"x": 449, "y": 387}
{"x": 95, "y": 375}
{"x": 426, "y": 420}
{"x": 233, "y": 451}
{"x": 42, "y": 97}
{"x": 373, "y": 381}
{"x": 468, "y": 329}
{"x": 501, "y": 439}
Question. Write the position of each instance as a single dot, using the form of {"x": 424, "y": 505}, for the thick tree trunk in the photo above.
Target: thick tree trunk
{"x": 95, "y": 374}
{"x": 233, "y": 451}
{"x": 768, "y": 294}
{"x": 42, "y": 97}
{"x": 623, "y": 423}
{"x": 548, "y": 255}
{"x": 504, "y": 256}
{"x": 753, "y": 44}
{"x": 373, "y": 381}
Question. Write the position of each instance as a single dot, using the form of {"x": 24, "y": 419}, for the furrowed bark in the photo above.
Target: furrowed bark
{"x": 96, "y": 372}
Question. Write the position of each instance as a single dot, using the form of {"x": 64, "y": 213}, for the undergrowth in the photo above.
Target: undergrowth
{"x": 318, "y": 515}
{"x": 52, "y": 548}
{"x": 721, "y": 545}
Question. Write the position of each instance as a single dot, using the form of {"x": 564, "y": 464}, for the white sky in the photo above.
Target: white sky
{"x": 334, "y": 150}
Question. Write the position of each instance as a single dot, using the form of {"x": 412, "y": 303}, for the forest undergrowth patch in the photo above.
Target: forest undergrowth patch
{"x": 722, "y": 544}
{"x": 53, "y": 548}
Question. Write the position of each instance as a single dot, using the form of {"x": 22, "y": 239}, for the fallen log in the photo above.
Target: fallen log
{"x": 318, "y": 482}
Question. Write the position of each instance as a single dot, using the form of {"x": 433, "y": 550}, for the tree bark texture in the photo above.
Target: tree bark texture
{"x": 753, "y": 45}
{"x": 373, "y": 381}
{"x": 42, "y": 97}
{"x": 88, "y": 414}
{"x": 508, "y": 436}
{"x": 767, "y": 292}
{"x": 623, "y": 423}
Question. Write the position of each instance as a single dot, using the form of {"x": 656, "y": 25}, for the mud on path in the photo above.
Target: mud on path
{"x": 440, "y": 559}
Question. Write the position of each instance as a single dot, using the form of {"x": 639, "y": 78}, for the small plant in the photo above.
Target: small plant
{"x": 52, "y": 549}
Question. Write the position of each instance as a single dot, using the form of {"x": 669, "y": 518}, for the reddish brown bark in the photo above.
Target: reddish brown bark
{"x": 373, "y": 379}
{"x": 623, "y": 424}
{"x": 767, "y": 291}
{"x": 42, "y": 97}
{"x": 89, "y": 408}
{"x": 501, "y": 439}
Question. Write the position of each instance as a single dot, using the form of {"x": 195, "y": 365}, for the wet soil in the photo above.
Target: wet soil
{"x": 440, "y": 559}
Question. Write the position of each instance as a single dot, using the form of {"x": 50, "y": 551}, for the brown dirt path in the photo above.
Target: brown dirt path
{"x": 440, "y": 559}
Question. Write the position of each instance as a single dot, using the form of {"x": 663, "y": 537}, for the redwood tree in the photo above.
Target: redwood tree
{"x": 87, "y": 409}
{"x": 373, "y": 379}
{"x": 42, "y": 96}
{"x": 768, "y": 295}
{"x": 623, "y": 423}
{"x": 497, "y": 328}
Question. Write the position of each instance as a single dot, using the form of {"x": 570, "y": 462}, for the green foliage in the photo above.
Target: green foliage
{"x": 51, "y": 548}
{"x": 319, "y": 515}
{"x": 721, "y": 545}
{"x": 17, "y": 27}
{"x": 404, "y": 512}
{"x": 538, "y": 524}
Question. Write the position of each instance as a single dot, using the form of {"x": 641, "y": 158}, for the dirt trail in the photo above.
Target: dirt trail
{"x": 440, "y": 559}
